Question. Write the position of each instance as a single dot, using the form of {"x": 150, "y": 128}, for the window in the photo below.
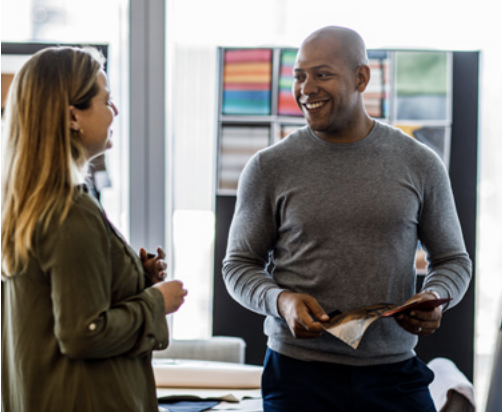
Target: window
{"x": 68, "y": 22}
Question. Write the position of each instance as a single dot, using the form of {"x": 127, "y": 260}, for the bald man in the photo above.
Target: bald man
{"x": 336, "y": 210}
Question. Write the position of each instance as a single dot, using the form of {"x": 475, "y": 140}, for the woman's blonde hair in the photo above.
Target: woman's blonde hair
{"x": 43, "y": 156}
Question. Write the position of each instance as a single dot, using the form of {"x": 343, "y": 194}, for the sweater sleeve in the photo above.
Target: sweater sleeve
{"x": 252, "y": 236}
{"x": 449, "y": 267}
{"x": 98, "y": 311}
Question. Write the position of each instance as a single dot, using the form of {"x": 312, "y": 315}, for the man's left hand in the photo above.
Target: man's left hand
{"x": 421, "y": 322}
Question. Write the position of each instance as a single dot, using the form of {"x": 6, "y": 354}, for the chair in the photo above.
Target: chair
{"x": 217, "y": 348}
{"x": 494, "y": 401}
{"x": 451, "y": 391}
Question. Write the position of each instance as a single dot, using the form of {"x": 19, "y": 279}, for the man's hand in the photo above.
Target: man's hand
{"x": 421, "y": 322}
{"x": 297, "y": 310}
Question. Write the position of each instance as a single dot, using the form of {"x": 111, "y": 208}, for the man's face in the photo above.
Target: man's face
{"x": 325, "y": 87}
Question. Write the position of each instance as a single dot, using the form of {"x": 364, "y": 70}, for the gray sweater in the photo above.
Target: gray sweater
{"x": 341, "y": 222}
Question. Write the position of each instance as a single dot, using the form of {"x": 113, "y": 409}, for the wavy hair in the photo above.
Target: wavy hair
{"x": 43, "y": 158}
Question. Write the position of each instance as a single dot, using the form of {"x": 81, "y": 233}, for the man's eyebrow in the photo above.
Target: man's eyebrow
{"x": 319, "y": 67}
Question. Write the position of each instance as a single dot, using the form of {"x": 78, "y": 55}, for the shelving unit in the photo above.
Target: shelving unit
{"x": 408, "y": 89}
{"x": 431, "y": 95}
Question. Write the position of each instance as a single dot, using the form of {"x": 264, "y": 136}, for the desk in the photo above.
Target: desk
{"x": 232, "y": 386}
{"x": 247, "y": 400}
{"x": 246, "y": 405}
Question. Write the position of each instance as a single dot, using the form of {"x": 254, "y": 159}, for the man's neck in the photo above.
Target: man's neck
{"x": 358, "y": 130}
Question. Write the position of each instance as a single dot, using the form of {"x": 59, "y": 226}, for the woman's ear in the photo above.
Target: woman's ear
{"x": 74, "y": 125}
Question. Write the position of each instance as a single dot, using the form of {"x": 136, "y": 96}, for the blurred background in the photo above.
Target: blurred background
{"x": 193, "y": 33}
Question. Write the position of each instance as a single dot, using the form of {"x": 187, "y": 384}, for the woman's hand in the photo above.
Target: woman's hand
{"x": 155, "y": 265}
{"x": 173, "y": 293}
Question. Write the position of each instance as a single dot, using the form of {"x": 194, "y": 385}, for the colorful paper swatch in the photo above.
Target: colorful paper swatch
{"x": 376, "y": 95}
{"x": 286, "y": 105}
{"x": 238, "y": 144}
{"x": 247, "y": 77}
{"x": 422, "y": 86}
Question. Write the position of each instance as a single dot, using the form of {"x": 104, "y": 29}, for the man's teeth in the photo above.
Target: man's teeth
{"x": 315, "y": 105}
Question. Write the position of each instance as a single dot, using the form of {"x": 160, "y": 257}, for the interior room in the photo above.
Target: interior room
{"x": 184, "y": 134}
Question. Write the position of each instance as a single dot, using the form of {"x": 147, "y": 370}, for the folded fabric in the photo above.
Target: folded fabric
{"x": 449, "y": 379}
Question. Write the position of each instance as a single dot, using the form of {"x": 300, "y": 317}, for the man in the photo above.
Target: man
{"x": 328, "y": 220}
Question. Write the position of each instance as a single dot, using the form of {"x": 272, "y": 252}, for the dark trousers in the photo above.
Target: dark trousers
{"x": 290, "y": 385}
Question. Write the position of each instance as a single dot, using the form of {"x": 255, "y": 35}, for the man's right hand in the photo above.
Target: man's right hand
{"x": 297, "y": 310}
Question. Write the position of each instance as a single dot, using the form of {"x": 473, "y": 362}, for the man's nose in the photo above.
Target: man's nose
{"x": 309, "y": 86}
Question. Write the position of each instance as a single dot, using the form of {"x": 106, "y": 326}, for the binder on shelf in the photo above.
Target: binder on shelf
{"x": 286, "y": 104}
{"x": 422, "y": 85}
{"x": 376, "y": 95}
{"x": 238, "y": 145}
{"x": 247, "y": 77}
{"x": 408, "y": 89}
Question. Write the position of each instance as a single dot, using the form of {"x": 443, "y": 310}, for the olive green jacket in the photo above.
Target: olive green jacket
{"x": 78, "y": 326}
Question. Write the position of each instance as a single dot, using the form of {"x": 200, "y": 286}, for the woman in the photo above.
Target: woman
{"x": 78, "y": 322}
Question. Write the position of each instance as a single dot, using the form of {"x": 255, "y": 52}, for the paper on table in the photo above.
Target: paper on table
{"x": 178, "y": 373}
{"x": 351, "y": 326}
{"x": 247, "y": 405}
{"x": 228, "y": 395}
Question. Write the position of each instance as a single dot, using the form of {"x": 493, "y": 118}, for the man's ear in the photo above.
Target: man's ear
{"x": 74, "y": 125}
{"x": 363, "y": 75}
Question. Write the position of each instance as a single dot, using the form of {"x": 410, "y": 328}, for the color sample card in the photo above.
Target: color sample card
{"x": 286, "y": 105}
{"x": 247, "y": 77}
{"x": 238, "y": 144}
{"x": 422, "y": 86}
{"x": 376, "y": 95}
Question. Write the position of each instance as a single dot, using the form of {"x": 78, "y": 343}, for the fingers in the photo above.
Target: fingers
{"x": 155, "y": 265}
{"x": 173, "y": 294}
{"x": 298, "y": 310}
{"x": 421, "y": 322}
{"x": 161, "y": 267}
{"x": 316, "y": 309}
{"x": 305, "y": 327}
{"x": 161, "y": 253}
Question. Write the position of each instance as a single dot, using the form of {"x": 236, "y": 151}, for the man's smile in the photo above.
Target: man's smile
{"x": 314, "y": 105}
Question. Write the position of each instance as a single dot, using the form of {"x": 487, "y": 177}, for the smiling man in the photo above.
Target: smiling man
{"x": 336, "y": 210}
{"x": 331, "y": 73}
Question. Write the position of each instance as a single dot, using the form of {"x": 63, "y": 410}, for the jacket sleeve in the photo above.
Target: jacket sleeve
{"x": 252, "y": 236}
{"x": 98, "y": 312}
{"x": 449, "y": 267}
